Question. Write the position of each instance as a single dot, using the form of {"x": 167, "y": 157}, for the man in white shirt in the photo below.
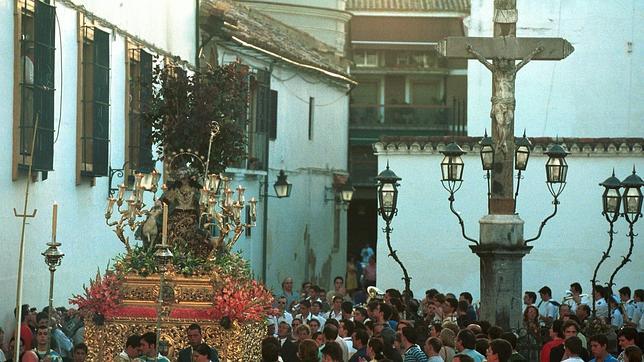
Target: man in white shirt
{"x": 336, "y": 309}
{"x": 547, "y": 307}
{"x": 283, "y": 315}
{"x": 601, "y": 305}
{"x": 577, "y": 297}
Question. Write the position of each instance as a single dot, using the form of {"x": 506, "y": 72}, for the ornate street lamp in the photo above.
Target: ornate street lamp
{"x": 632, "y": 199}
{"x": 452, "y": 167}
{"x": 487, "y": 152}
{"x": 556, "y": 169}
{"x": 556, "y": 172}
{"x": 452, "y": 178}
{"x": 611, "y": 201}
{"x": 487, "y": 161}
{"x": 282, "y": 187}
{"x": 521, "y": 156}
{"x": 522, "y": 153}
{"x": 387, "y": 194}
{"x": 388, "y": 200}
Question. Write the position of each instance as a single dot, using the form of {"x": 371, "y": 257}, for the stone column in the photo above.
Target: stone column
{"x": 501, "y": 250}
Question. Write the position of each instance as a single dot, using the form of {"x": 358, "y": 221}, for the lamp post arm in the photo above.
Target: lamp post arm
{"x": 605, "y": 256}
{"x": 543, "y": 223}
{"x": 626, "y": 258}
{"x": 516, "y": 193}
{"x": 460, "y": 219}
{"x": 393, "y": 254}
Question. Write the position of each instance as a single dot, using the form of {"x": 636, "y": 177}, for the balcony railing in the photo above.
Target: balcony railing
{"x": 363, "y": 116}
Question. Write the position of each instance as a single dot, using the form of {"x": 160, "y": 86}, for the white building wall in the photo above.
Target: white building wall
{"x": 429, "y": 242}
{"x": 300, "y": 231}
{"x": 87, "y": 242}
{"x": 325, "y": 20}
{"x": 596, "y": 91}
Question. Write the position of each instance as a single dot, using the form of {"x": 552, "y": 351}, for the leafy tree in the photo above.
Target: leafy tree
{"x": 184, "y": 107}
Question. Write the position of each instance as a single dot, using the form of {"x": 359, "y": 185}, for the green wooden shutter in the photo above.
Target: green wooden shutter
{"x": 44, "y": 51}
{"x": 272, "y": 116}
{"x": 101, "y": 103}
{"x": 145, "y": 161}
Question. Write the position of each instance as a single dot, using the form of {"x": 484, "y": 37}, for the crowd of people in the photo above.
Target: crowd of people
{"x": 65, "y": 342}
{"x": 312, "y": 325}
{"x": 367, "y": 325}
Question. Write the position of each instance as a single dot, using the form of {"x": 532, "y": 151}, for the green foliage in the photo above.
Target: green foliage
{"x": 141, "y": 261}
{"x": 185, "y": 106}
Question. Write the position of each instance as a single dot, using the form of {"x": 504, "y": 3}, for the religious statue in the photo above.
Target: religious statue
{"x": 503, "y": 77}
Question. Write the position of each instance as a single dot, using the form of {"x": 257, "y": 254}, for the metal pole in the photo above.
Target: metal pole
{"x": 393, "y": 254}
{"x": 50, "y": 327}
{"x": 21, "y": 257}
{"x": 605, "y": 256}
{"x": 159, "y": 309}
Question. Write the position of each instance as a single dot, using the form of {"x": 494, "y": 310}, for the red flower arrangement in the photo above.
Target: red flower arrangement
{"x": 242, "y": 300}
{"x": 101, "y": 297}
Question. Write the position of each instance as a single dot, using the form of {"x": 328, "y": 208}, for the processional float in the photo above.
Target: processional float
{"x": 183, "y": 271}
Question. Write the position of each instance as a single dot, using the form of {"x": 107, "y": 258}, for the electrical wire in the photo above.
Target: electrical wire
{"x": 552, "y": 76}
{"x": 60, "y": 93}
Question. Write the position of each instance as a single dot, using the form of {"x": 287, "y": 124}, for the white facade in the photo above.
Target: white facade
{"x": 300, "y": 237}
{"x": 326, "y": 20}
{"x": 300, "y": 234}
{"x": 429, "y": 242}
{"x": 596, "y": 91}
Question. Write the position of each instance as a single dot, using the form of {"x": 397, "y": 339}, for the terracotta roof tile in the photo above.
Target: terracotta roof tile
{"x": 461, "y": 6}
{"x": 260, "y": 30}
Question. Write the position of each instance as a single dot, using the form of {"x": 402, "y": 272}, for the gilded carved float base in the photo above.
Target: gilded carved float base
{"x": 242, "y": 342}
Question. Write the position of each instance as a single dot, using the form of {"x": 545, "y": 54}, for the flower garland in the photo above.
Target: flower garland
{"x": 101, "y": 297}
{"x": 242, "y": 300}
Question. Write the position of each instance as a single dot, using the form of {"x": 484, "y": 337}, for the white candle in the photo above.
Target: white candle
{"x": 53, "y": 222}
{"x": 165, "y": 224}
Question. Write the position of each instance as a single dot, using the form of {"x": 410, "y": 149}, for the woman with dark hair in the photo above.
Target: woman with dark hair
{"x": 632, "y": 354}
{"x": 25, "y": 356}
{"x": 375, "y": 349}
{"x": 533, "y": 330}
{"x": 307, "y": 351}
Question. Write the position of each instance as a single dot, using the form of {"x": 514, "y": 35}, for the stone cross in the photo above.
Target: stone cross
{"x": 502, "y": 246}
{"x": 504, "y": 49}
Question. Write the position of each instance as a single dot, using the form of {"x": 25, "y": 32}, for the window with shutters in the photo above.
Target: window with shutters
{"x": 34, "y": 51}
{"x": 94, "y": 88}
{"x": 138, "y": 146}
{"x": 260, "y": 120}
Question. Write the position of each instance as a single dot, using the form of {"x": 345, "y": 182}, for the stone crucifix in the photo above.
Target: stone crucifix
{"x": 500, "y": 54}
{"x": 501, "y": 246}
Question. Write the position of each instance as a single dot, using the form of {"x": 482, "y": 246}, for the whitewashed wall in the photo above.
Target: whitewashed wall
{"x": 428, "y": 237}
{"x": 325, "y": 20}
{"x": 596, "y": 92}
{"x": 300, "y": 228}
{"x": 87, "y": 242}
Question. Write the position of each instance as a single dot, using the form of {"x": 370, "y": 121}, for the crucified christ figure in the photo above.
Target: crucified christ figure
{"x": 503, "y": 76}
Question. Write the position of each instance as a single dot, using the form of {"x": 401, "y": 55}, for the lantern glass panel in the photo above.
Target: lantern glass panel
{"x": 522, "y": 155}
{"x": 556, "y": 169}
{"x": 632, "y": 200}
{"x": 387, "y": 192}
{"x": 487, "y": 157}
{"x": 612, "y": 201}
{"x": 347, "y": 195}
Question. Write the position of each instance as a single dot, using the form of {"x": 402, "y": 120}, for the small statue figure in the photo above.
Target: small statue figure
{"x": 503, "y": 77}
{"x": 148, "y": 232}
